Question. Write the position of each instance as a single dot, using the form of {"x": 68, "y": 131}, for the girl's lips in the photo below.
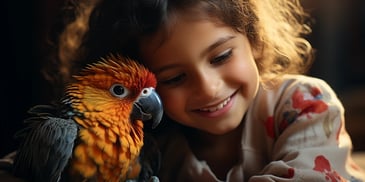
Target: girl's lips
{"x": 219, "y": 109}
{"x": 216, "y": 107}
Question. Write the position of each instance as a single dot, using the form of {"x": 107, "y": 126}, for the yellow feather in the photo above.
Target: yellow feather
{"x": 97, "y": 155}
{"x": 80, "y": 153}
{"x": 111, "y": 135}
{"x": 123, "y": 156}
{"x": 81, "y": 122}
{"x": 107, "y": 147}
{"x": 99, "y": 132}
{"x": 87, "y": 137}
{"x": 86, "y": 169}
{"x": 124, "y": 141}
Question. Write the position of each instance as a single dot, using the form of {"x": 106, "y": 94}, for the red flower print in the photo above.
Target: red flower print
{"x": 321, "y": 164}
{"x": 309, "y": 105}
{"x": 289, "y": 118}
{"x": 316, "y": 92}
{"x": 270, "y": 125}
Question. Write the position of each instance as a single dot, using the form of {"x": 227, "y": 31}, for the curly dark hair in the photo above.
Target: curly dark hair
{"x": 100, "y": 27}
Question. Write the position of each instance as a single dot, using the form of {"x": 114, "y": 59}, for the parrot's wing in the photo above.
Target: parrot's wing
{"x": 46, "y": 148}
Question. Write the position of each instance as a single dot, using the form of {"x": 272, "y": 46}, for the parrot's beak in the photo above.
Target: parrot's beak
{"x": 148, "y": 106}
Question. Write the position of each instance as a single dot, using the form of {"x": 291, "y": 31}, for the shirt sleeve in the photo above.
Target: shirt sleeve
{"x": 310, "y": 142}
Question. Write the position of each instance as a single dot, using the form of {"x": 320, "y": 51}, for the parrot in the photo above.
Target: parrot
{"x": 95, "y": 131}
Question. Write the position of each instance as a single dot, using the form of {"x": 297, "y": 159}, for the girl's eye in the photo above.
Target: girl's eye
{"x": 174, "y": 80}
{"x": 222, "y": 57}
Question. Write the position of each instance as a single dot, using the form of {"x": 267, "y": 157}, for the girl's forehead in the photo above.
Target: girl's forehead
{"x": 151, "y": 42}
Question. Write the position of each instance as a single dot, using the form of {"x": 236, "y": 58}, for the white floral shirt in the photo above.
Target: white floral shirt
{"x": 295, "y": 132}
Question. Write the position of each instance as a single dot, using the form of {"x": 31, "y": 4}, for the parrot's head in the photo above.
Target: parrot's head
{"x": 115, "y": 90}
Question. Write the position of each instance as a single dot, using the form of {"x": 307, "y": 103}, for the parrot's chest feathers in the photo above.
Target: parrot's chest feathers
{"x": 108, "y": 153}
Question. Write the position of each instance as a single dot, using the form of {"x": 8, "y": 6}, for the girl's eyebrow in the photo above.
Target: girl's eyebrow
{"x": 217, "y": 43}
{"x": 165, "y": 68}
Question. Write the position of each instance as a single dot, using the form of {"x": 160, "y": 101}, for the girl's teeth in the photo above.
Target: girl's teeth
{"x": 219, "y": 106}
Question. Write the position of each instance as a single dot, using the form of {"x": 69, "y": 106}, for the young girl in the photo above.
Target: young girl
{"x": 237, "y": 108}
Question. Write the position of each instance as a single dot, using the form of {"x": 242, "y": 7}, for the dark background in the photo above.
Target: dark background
{"x": 338, "y": 35}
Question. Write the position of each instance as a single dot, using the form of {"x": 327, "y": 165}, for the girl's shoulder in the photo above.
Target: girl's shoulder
{"x": 295, "y": 94}
{"x": 305, "y": 80}
{"x": 292, "y": 84}
{"x": 297, "y": 98}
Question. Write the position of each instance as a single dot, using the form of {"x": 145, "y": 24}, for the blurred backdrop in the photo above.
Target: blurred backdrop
{"x": 338, "y": 36}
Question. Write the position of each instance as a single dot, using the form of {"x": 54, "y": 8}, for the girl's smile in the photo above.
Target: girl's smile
{"x": 217, "y": 110}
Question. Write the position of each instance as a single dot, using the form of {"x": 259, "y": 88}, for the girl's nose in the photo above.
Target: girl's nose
{"x": 207, "y": 86}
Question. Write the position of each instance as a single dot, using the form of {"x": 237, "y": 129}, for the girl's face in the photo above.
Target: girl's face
{"x": 207, "y": 76}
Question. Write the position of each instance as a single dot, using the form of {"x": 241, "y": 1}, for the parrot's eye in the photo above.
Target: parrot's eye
{"x": 119, "y": 90}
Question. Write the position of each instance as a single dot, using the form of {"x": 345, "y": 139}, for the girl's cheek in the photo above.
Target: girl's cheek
{"x": 166, "y": 96}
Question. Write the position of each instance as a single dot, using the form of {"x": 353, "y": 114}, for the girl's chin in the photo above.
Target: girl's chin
{"x": 221, "y": 130}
